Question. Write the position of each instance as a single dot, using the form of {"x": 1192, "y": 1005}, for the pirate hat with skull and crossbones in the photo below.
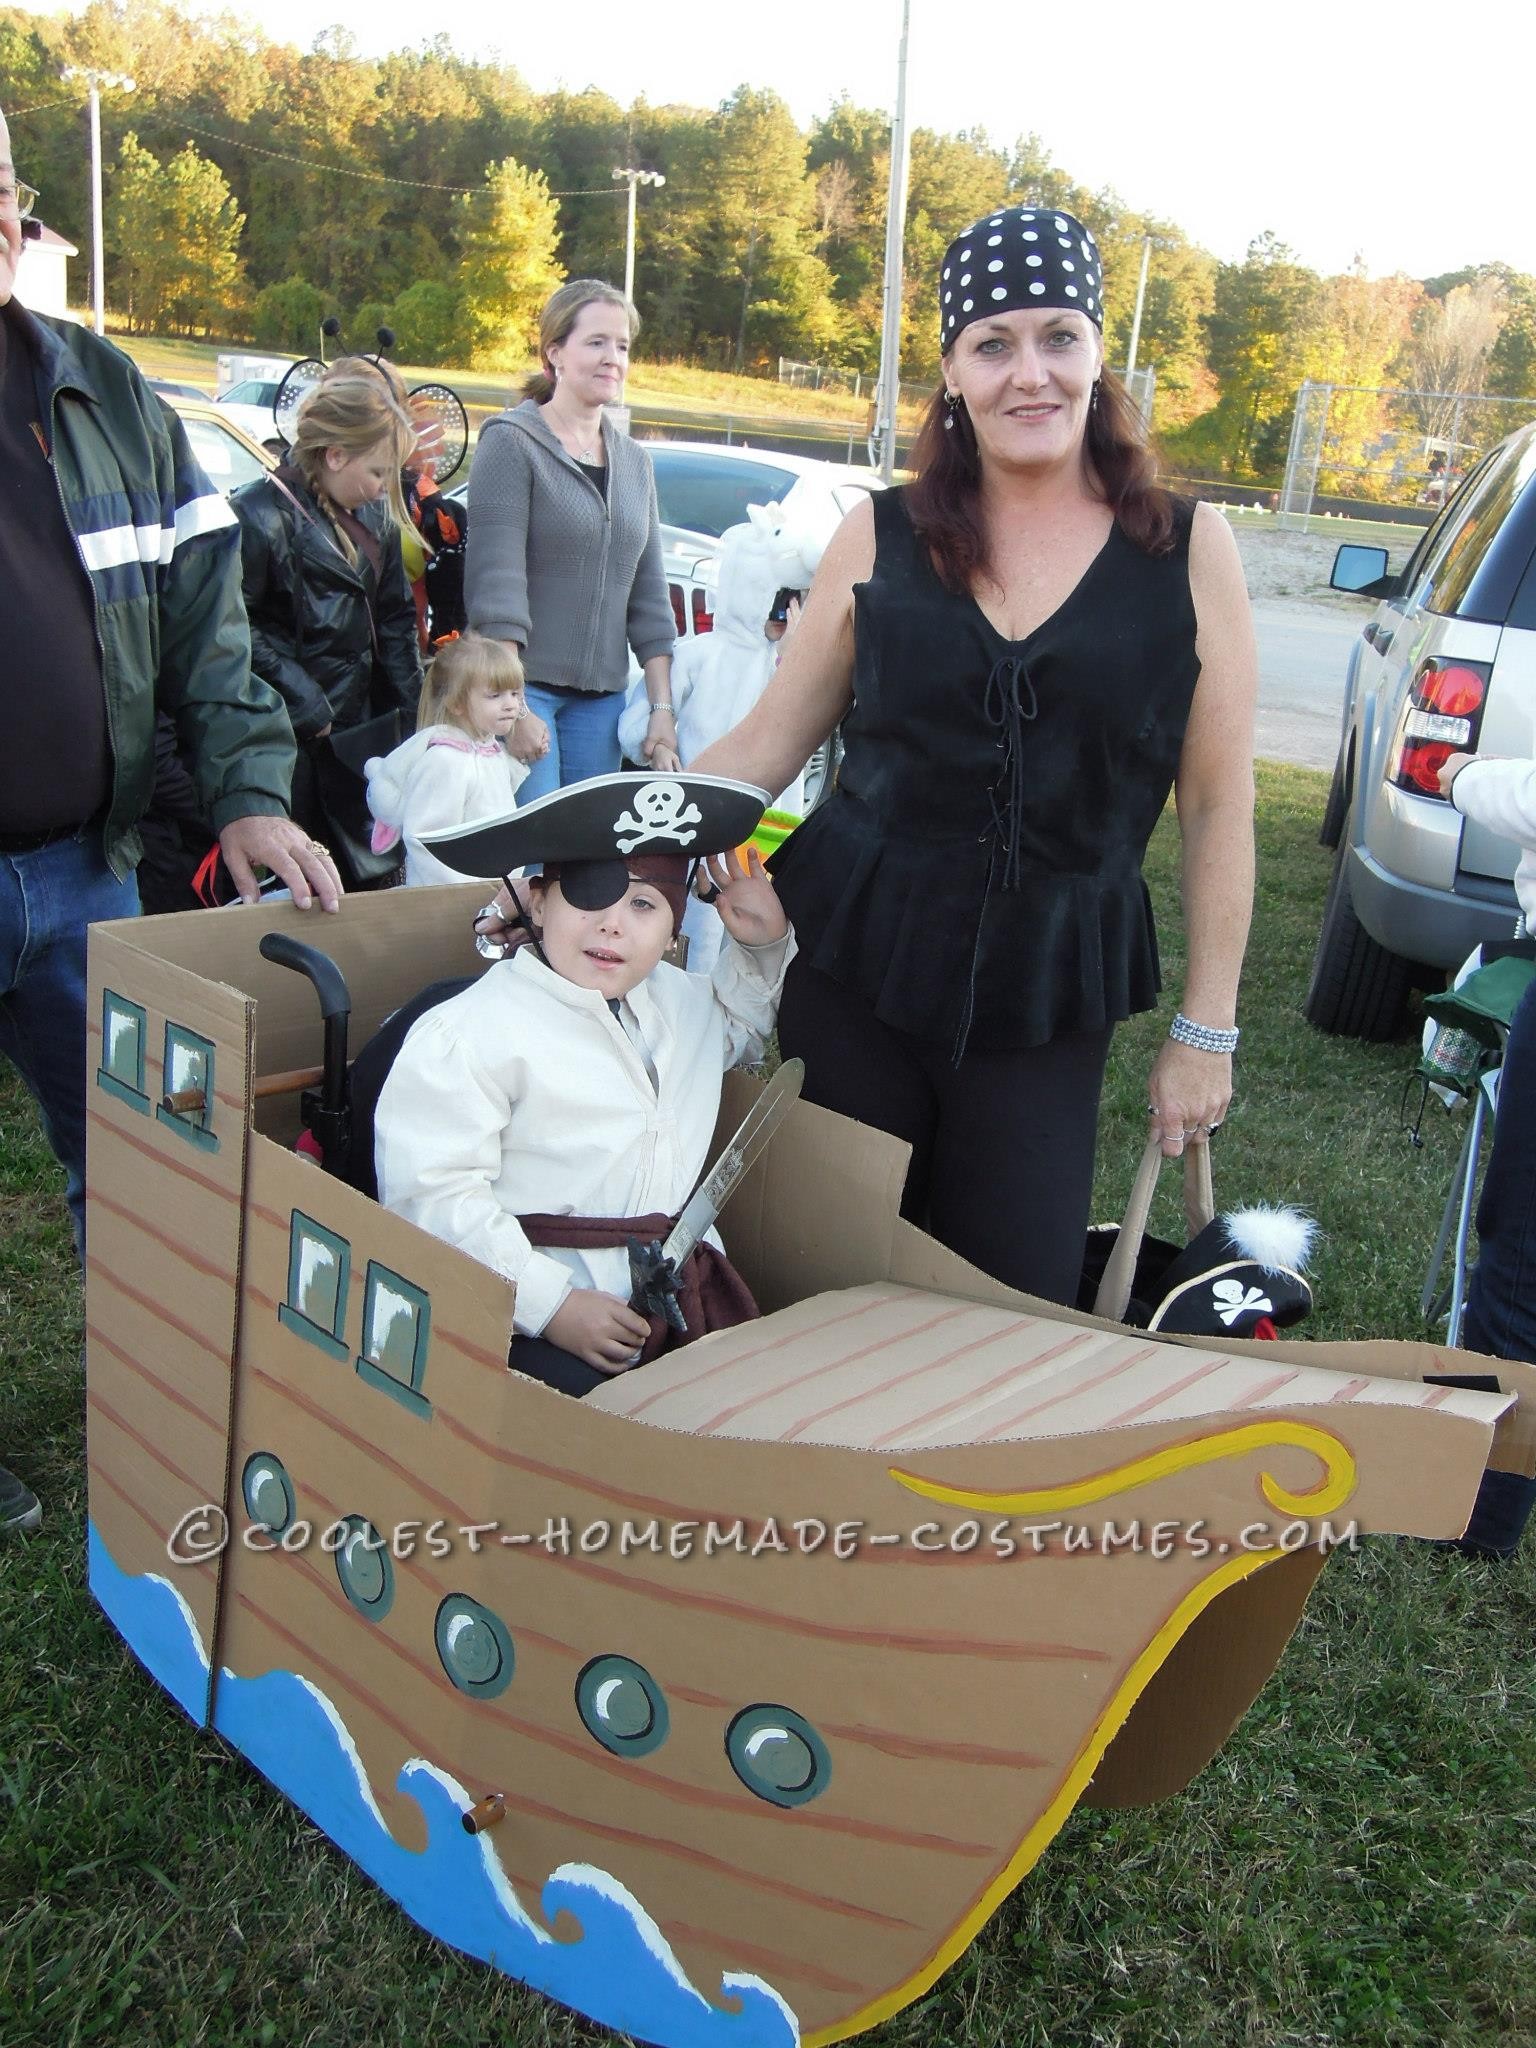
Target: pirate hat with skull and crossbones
{"x": 594, "y": 833}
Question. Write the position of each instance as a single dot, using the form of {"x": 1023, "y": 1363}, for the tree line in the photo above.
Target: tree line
{"x": 255, "y": 188}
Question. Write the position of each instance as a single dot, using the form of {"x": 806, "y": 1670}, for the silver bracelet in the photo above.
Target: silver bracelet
{"x": 1203, "y": 1037}
{"x": 665, "y": 705}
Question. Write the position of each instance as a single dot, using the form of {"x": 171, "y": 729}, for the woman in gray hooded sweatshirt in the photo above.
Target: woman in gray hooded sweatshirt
{"x": 564, "y": 550}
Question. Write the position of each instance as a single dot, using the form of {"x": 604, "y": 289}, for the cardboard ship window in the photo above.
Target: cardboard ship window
{"x": 121, "y": 1072}
{"x": 268, "y": 1493}
{"x": 364, "y": 1569}
{"x": 187, "y": 1102}
{"x": 397, "y": 1324}
{"x": 777, "y": 1754}
{"x": 319, "y": 1268}
{"x": 622, "y": 1705}
{"x": 474, "y": 1647}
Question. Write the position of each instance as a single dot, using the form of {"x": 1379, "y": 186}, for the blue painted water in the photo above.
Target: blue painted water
{"x": 619, "y": 1971}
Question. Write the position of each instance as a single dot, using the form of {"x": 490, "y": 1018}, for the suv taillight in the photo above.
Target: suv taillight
{"x": 703, "y": 617}
{"x": 1441, "y": 717}
{"x": 675, "y": 592}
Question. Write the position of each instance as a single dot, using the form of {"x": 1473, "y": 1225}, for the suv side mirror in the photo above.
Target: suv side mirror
{"x": 1362, "y": 571}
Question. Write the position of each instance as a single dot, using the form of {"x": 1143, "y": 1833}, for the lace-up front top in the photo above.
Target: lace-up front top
{"x": 976, "y": 876}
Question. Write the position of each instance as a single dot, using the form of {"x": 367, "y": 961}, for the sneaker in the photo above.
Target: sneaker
{"x": 20, "y": 1507}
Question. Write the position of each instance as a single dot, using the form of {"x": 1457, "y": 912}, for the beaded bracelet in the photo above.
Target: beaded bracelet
{"x": 665, "y": 705}
{"x": 1203, "y": 1037}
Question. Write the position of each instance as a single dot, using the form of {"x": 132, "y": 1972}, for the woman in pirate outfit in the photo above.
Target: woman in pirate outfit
{"x": 1027, "y": 648}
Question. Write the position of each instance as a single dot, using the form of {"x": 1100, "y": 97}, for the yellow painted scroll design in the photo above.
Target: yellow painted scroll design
{"x": 1039, "y": 1837}
{"x": 1331, "y": 1491}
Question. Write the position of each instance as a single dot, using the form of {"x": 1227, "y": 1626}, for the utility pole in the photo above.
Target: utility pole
{"x": 1141, "y": 299}
{"x": 635, "y": 178}
{"x": 93, "y": 82}
{"x": 889, "y": 389}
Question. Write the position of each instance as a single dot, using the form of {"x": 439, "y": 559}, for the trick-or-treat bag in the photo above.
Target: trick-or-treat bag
{"x": 1240, "y": 1274}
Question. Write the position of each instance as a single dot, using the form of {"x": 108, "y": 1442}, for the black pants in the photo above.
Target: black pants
{"x": 1002, "y": 1145}
{"x": 562, "y": 1370}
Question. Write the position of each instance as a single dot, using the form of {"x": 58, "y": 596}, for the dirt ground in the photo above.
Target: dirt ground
{"x": 1293, "y": 568}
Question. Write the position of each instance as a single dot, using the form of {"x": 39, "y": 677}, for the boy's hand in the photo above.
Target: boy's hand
{"x": 748, "y": 904}
{"x": 603, "y": 1331}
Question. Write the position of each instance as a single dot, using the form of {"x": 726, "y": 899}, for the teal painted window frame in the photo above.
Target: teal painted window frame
{"x": 135, "y": 1098}
{"x": 409, "y": 1395}
{"x": 330, "y": 1341}
{"x": 196, "y": 1129}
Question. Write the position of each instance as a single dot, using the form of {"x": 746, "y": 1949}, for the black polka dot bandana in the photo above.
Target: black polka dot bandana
{"x": 1022, "y": 256}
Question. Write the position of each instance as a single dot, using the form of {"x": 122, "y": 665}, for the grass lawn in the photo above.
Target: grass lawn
{"x": 1354, "y": 1871}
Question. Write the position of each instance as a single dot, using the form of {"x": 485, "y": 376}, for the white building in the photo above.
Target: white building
{"x": 43, "y": 280}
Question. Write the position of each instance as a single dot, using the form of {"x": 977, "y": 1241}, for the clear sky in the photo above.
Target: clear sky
{"x": 1386, "y": 131}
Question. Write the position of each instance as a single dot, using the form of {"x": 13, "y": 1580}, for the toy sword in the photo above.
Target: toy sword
{"x": 654, "y": 1267}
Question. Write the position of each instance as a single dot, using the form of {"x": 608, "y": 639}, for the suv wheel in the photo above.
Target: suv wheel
{"x": 1358, "y": 988}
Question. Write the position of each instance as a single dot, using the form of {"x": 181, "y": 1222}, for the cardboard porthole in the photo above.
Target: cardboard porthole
{"x": 268, "y": 1493}
{"x": 397, "y": 1325}
{"x": 121, "y": 1072}
{"x": 777, "y": 1754}
{"x": 319, "y": 1269}
{"x": 473, "y": 1647}
{"x": 186, "y": 1105}
{"x": 622, "y": 1706}
{"x": 364, "y": 1569}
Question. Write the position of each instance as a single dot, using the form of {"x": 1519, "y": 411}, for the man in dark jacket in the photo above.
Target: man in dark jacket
{"x": 121, "y": 574}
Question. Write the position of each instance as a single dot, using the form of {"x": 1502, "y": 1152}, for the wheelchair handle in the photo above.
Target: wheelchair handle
{"x": 321, "y": 970}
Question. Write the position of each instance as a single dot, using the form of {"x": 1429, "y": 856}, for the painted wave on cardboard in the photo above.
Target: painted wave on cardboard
{"x": 620, "y": 1971}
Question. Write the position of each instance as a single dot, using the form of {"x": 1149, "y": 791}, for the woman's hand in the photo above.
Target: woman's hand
{"x": 529, "y": 738}
{"x": 599, "y": 1329}
{"x": 748, "y": 903}
{"x": 1188, "y": 1095}
{"x": 498, "y": 921}
{"x": 659, "y": 747}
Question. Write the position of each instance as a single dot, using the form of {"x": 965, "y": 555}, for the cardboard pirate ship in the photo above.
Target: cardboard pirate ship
{"x": 778, "y": 1663}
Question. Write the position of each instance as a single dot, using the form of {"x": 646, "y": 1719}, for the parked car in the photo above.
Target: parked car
{"x": 167, "y": 389}
{"x": 1445, "y": 664}
{"x": 250, "y": 402}
{"x": 226, "y": 453}
{"x": 703, "y": 487}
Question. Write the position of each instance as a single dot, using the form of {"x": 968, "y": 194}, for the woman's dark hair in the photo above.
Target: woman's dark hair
{"x": 945, "y": 500}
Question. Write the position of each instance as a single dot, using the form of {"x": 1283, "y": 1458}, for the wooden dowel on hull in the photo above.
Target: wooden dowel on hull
{"x": 288, "y": 1083}
{"x": 184, "y": 1102}
{"x": 485, "y": 1813}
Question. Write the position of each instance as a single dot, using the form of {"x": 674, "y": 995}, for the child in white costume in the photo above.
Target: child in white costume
{"x": 455, "y": 768}
{"x": 579, "y": 1079}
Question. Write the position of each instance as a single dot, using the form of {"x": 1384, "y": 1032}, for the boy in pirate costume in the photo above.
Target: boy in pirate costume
{"x": 566, "y": 1102}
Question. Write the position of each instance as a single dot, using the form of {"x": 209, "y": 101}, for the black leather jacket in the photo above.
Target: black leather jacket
{"x": 309, "y": 610}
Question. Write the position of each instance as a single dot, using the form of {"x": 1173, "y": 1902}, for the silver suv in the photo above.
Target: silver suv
{"x": 1446, "y": 664}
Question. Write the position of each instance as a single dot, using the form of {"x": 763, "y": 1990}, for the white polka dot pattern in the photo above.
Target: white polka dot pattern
{"x": 1060, "y": 269}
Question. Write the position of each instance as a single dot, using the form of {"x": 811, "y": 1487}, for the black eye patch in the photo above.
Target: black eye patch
{"x": 591, "y": 884}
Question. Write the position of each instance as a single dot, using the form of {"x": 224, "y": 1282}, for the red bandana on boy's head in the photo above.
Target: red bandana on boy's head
{"x": 594, "y": 884}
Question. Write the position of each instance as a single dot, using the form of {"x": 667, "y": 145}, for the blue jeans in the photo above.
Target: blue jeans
{"x": 47, "y": 899}
{"x": 1501, "y": 1299}
{"x": 583, "y": 738}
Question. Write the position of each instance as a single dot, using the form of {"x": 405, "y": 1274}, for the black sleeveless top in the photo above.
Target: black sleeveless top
{"x": 976, "y": 875}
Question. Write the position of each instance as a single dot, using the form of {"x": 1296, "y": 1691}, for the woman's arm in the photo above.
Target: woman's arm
{"x": 1190, "y": 1089}
{"x": 1495, "y": 792}
{"x": 496, "y": 547}
{"x": 272, "y": 601}
{"x": 812, "y": 687}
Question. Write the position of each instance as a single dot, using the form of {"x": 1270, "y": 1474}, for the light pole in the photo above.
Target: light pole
{"x": 889, "y": 389}
{"x": 1141, "y": 299}
{"x": 75, "y": 74}
{"x": 634, "y": 178}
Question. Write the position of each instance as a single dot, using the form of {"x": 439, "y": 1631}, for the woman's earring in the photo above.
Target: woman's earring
{"x": 951, "y": 407}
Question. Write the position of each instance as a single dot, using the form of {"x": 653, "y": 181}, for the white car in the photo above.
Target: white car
{"x": 249, "y": 405}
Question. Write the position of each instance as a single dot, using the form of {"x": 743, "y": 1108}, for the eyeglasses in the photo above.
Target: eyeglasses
{"x": 17, "y": 198}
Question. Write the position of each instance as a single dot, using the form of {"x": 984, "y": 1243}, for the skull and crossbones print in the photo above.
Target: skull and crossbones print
{"x": 659, "y": 813}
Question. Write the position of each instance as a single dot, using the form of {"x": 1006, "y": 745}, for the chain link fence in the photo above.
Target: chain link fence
{"x": 1398, "y": 449}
